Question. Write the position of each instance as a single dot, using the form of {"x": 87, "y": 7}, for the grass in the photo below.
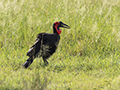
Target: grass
{"x": 88, "y": 56}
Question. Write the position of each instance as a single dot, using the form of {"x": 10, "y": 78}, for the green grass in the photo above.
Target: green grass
{"x": 88, "y": 56}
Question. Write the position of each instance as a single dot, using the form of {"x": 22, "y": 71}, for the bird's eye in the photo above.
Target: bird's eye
{"x": 57, "y": 23}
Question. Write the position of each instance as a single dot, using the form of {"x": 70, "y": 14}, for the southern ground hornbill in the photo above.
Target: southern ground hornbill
{"x": 45, "y": 45}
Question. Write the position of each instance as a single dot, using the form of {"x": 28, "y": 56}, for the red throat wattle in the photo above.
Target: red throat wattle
{"x": 58, "y": 31}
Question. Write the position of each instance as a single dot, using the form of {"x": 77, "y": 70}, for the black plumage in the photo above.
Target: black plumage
{"x": 45, "y": 45}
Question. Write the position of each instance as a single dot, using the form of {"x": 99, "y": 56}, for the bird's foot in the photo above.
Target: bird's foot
{"x": 46, "y": 63}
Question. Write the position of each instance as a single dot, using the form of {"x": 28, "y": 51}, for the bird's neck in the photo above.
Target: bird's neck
{"x": 56, "y": 30}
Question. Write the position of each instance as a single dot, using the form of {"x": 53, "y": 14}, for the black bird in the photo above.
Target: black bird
{"x": 45, "y": 45}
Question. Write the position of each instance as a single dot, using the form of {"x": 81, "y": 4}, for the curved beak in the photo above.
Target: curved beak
{"x": 64, "y": 25}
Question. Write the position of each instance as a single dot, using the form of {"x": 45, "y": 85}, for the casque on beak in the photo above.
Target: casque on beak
{"x": 64, "y": 25}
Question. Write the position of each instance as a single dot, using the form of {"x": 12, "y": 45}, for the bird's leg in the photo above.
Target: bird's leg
{"x": 45, "y": 61}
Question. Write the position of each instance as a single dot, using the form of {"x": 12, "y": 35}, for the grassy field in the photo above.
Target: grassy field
{"x": 88, "y": 55}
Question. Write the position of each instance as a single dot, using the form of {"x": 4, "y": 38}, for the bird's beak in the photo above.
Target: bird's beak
{"x": 64, "y": 25}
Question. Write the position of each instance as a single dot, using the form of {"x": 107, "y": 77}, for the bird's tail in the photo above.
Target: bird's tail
{"x": 28, "y": 62}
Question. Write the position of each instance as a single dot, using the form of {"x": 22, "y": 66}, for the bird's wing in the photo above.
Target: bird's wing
{"x": 51, "y": 39}
{"x": 44, "y": 39}
{"x": 34, "y": 49}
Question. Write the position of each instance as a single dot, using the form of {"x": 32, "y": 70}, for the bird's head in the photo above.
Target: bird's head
{"x": 56, "y": 26}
